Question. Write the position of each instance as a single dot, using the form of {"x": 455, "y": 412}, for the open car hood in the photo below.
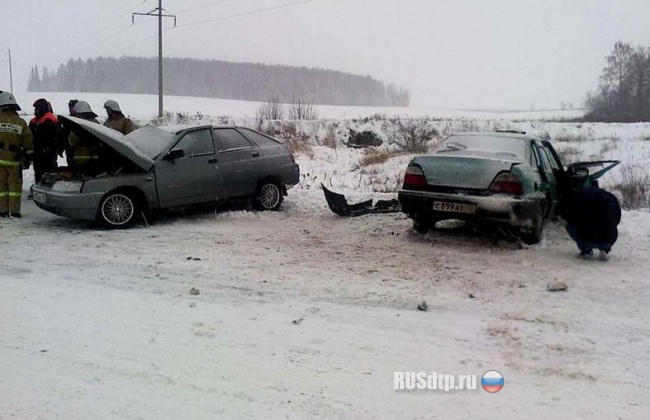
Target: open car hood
{"x": 140, "y": 146}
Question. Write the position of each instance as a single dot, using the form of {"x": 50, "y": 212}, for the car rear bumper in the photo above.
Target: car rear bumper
{"x": 495, "y": 208}
{"x": 294, "y": 176}
{"x": 72, "y": 205}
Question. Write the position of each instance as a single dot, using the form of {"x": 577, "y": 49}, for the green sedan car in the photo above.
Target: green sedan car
{"x": 507, "y": 178}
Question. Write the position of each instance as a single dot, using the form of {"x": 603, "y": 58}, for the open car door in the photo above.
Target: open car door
{"x": 585, "y": 174}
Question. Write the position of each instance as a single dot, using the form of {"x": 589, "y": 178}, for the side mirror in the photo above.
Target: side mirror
{"x": 174, "y": 154}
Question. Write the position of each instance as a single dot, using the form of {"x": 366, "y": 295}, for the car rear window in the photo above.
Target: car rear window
{"x": 492, "y": 144}
{"x": 259, "y": 138}
{"x": 229, "y": 139}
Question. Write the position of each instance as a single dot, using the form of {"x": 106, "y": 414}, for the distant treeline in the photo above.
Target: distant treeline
{"x": 623, "y": 93}
{"x": 217, "y": 79}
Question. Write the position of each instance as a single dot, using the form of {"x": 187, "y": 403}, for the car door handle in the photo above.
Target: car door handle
{"x": 256, "y": 154}
{"x": 212, "y": 160}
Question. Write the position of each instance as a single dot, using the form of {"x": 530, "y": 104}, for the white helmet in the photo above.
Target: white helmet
{"x": 83, "y": 107}
{"x": 8, "y": 101}
{"x": 112, "y": 105}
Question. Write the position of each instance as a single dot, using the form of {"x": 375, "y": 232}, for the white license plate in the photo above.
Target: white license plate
{"x": 454, "y": 207}
{"x": 40, "y": 197}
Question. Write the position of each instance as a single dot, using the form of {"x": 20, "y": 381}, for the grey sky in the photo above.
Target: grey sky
{"x": 450, "y": 53}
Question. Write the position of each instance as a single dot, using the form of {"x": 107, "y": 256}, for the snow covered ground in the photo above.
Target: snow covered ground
{"x": 144, "y": 106}
{"x": 302, "y": 314}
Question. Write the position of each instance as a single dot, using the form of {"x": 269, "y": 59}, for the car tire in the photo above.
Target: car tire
{"x": 269, "y": 196}
{"x": 533, "y": 234}
{"x": 118, "y": 210}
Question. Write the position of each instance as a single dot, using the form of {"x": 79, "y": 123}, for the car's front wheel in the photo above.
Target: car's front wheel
{"x": 269, "y": 196}
{"x": 117, "y": 210}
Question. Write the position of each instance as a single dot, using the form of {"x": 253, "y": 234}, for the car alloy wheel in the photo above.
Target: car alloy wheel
{"x": 270, "y": 197}
{"x": 118, "y": 210}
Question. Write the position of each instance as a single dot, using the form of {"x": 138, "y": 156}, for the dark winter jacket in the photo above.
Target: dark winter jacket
{"x": 44, "y": 131}
{"x": 595, "y": 215}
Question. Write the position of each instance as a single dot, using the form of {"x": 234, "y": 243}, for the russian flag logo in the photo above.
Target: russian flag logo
{"x": 492, "y": 381}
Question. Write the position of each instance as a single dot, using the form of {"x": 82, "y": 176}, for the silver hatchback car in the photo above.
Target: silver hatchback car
{"x": 152, "y": 169}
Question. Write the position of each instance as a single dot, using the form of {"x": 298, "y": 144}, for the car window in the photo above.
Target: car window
{"x": 229, "y": 139}
{"x": 543, "y": 158}
{"x": 534, "y": 158}
{"x": 259, "y": 138}
{"x": 550, "y": 159}
{"x": 196, "y": 143}
{"x": 548, "y": 162}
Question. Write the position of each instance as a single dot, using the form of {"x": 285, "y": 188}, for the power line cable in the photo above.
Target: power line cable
{"x": 201, "y": 7}
{"x": 281, "y": 6}
{"x": 100, "y": 36}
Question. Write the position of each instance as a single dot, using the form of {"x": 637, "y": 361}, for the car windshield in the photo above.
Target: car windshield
{"x": 501, "y": 146}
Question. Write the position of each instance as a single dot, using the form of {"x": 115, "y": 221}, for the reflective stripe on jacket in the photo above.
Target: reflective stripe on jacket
{"x": 15, "y": 139}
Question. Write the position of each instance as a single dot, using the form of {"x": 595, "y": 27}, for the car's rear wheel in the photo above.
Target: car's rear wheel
{"x": 422, "y": 225}
{"x": 269, "y": 196}
{"x": 118, "y": 210}
{"x": 533, "y": 234}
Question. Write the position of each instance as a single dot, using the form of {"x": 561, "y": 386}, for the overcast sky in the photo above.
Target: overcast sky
{"x": 496, "y": 54}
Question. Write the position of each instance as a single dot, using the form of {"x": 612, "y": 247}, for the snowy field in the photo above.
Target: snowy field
{"x": 302, "y": 314}
{"x": 144, "y": 106}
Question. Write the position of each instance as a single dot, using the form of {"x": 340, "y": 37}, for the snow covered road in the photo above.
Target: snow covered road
{"x": 302, "y": 314}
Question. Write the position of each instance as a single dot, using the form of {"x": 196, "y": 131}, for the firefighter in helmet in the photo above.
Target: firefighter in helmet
{"x": 15, "y": 155}
{"x": 80, "y": 152}
{"x": 116, "y": 119}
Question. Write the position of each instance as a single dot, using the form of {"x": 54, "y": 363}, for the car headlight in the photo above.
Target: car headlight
{"x": 67, "y": 186}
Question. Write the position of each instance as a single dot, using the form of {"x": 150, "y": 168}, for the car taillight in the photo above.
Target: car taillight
{"x": 414, "y": 177}
{"x": 507, "y": 183}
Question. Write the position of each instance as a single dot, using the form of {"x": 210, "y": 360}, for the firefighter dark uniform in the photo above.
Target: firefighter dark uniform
{"x": 44, "y": 131}
{"x": 15, "y": 151}
{"x": 79, "y": 153}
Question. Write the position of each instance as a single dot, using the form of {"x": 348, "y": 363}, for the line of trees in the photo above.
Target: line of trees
{"x": 623, "y": 93}
{"x": 217, "y": 79}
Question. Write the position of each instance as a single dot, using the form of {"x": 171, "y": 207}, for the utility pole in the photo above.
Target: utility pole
{"x": 11, "y": 76}
{"x": 159, "y": 12}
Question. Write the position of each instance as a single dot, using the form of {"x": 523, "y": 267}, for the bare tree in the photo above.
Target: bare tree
{"x": 413, "y": 134}
{"x": 624, "y": 86}
{"x": 272, "y": 109}
{"x": 640, "y": 82}
{"x": 302, "y": 110}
